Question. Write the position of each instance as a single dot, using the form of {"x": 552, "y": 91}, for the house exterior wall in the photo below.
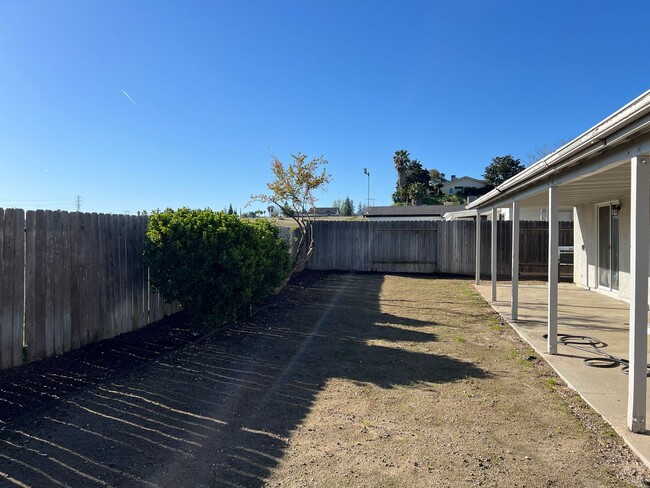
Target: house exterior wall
{"x": 584, "y": 246}
{"x": 536, "y": 214}
{"x": 585, "y": 256}
{"x": 463, "y": 182}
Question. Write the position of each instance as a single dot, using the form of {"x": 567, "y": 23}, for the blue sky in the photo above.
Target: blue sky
{"x": 218, "y": 86}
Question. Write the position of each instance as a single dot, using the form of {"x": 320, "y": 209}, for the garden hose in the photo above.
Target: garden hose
{"x": 593, "y": 345}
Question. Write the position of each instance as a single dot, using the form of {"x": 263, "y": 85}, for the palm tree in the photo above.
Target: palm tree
{"x": 416, "y": 191}
{"x": 401, "y": 160}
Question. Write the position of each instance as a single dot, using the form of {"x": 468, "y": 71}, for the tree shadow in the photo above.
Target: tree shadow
{"x": 221, "y": 412}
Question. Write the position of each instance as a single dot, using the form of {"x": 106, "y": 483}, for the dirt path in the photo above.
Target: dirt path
{"x": 346, "y": 380}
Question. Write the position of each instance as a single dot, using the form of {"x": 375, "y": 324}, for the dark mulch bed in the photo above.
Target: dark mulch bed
{"x": 30, "y": 387}
{"x": 27, "y": 388}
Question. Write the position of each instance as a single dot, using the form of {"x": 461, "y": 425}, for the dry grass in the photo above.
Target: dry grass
{"x": 442, "y": 393}
{"x": 342, "y": 380}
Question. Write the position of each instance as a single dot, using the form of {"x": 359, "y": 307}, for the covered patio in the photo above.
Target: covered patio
{"x": 580, "y": 313}
{"x": 604, "y": 175}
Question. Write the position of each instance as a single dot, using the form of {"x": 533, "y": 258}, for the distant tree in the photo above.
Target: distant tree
{"x": 401, "y": 160}
{"x": 415, "y": 173}
{"x": 253, "y": 214}
{"x": 501, "y": 169}
{"x": 338, "y": 203}
{"x": 436, "y": 181}
{"x": 230, "y": 210}
{"x": 361, "y": 209}
{"x": 348, "y": 207}
{"x": 271, "y": 210}
{"x": 293, "y": 191}
{"x": 540, "y": 152}
{"x": 416, "y": 192}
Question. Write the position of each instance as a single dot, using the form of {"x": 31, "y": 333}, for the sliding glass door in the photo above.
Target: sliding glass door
{"x": 608, "y": 229}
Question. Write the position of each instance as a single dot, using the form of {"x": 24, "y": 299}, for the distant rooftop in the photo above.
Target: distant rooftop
{"x": 324, "y": 211}
{"x": 412, "y": 211}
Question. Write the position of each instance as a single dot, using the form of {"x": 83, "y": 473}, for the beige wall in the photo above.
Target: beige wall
{"x": 585, "y": 257}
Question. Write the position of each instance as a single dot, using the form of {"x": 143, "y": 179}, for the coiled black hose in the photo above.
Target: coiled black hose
{"x": 593, "y": 345}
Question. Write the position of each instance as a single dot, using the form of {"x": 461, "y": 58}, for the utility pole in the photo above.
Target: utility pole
{"x": 366, "y": 172}
{"x": 78, "y": 203}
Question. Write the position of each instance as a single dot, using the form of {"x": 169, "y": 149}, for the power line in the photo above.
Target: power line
{"x": 78, "y": 203}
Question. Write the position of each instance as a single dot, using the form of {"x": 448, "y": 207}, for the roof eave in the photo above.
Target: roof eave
{"x": 631, "y": 112}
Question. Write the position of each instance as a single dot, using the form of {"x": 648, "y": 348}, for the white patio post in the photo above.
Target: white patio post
{"x": 514, "y": 304}
{"x": 493, "y": 258}
{"x": 553, "y": 231}
{"x": 636, "y": 403}
{"x": 478, "y": 247}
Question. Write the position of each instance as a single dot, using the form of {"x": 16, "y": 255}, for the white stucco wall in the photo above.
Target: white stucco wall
{"x": 536, "y": 214}
{"x": 585, "y": 257}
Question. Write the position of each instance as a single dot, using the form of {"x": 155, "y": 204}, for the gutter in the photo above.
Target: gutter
{"x": 586, "y": 144}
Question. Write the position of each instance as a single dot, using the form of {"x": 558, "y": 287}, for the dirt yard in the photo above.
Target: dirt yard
{"x": 343, "y": 380}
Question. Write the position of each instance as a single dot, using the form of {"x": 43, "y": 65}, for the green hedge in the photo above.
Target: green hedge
{"x": 214, "y": 264}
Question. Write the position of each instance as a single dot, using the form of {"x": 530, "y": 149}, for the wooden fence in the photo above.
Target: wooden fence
{"x": 68, "y": 279}
{"x": 431, "y": 247}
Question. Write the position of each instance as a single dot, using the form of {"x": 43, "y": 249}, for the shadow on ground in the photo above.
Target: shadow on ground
{"x": 221, "y": 412}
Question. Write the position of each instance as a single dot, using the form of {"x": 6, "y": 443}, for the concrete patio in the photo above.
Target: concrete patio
{"x": 582, "y": 313}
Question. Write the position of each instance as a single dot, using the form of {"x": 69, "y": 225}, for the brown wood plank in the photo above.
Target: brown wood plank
{"x": 19, "y": 289}
{"x": 30, "y": 282}
{"x": 8, "y": 293}
{"x": 111, "y": 254}
{"x": 49, "y": 264}
{"x": 142, "y": 273}
{"x": 75, "y": 280}
{"x": 122, "y": 274}
{"x": 66, "y": 282}
{"x": 57, "y": 291}
{"x": 84, "y": 289}
{"x": 131, "y": 270}
{"x": 95, "y": 331}
{"x": 102, "y": 292}
{"x": 39, "y": 349}
{"x": 5, "y": 298}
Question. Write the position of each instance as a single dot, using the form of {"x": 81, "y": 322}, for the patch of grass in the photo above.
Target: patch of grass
{"x": 513, "y": 354}
{"x": 469, "y": 293}
{"x": 551, "y": 383}
{"x": 460, "y": 339}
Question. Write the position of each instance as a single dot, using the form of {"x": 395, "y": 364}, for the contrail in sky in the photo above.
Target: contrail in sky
{"x": 127, "y": 96}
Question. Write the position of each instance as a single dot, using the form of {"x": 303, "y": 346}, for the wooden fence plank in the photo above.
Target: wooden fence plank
{"x": 111, "y": 268}
{"x": 84, "y": 285}
{"x": 57, "y": 281}
{"x": 75, "y": 280}
{"x": 19, "y": 289}
{"x": 30, "y": 282}
{"x": 67, "y": 280}
{"x": 100, "y": 267}
{"x": 94, "y": 281}
{"x": 6, "y": 295}
{"x": 50, "y": 299}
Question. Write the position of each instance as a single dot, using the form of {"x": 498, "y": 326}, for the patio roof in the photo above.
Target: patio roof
{"x": 608, "y": 162}
{"x": 594, "y": 155}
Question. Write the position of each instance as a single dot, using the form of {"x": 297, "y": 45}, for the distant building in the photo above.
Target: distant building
{"x": 457, "y": 186}
{"x": 324, "y": 211}
{"x": 415, "y": 212}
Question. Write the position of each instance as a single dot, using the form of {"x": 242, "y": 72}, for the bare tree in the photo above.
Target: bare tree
{"x": 292, "y": 191}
